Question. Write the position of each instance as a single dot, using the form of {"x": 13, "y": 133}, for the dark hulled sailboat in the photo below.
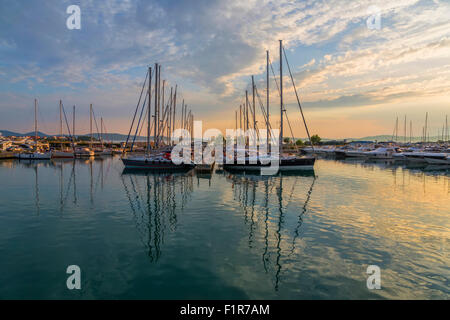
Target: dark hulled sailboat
{"x": 285, "y": 162}
{"x": 158, "y": 156}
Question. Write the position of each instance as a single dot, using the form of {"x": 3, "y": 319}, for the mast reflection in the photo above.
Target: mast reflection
{"x": 155, "y": 201}
{"x": 264, "y": 200}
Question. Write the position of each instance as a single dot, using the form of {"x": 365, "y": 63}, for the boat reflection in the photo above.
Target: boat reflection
{"x": 155, "y": 200}
{"x": 67, "y": 177}
{"x": 264, "y": 201}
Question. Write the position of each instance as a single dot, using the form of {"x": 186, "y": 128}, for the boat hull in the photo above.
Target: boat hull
{"x": 354, "y": 154}
{"x": 432, "y": 160}
{"x": 340, "y": 154}
{"x": 156, "y": 165}
{"x": 296, "y": 164}
{"x": 34, "y": 156}
{"x": 380, "y": 157}
{"x": 62, "y": 155}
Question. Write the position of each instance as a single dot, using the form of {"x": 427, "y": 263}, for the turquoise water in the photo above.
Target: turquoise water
{"x": 223, "y": 236}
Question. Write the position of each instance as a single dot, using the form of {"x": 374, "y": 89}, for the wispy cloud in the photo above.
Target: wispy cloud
{"x": 211, "y": 47}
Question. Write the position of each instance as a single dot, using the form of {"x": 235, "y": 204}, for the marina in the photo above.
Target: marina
{"x": 302, "y": 236}
{"x": 225, "y": 155}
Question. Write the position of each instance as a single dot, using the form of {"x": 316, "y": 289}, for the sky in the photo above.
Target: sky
{"x": 355, "y": 73}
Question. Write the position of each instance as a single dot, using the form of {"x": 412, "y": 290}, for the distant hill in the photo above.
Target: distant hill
{"x": 123, "y": 137}
{"x": 384, "y": 138}
{"x": 108, "y": 137}
{"x": 7, "y": 133}
{"x": 119, "y": 137}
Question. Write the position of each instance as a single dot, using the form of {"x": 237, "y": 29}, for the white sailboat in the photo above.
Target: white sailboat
{"x": 37, "y": 154}
{"x": 62, "y": 153}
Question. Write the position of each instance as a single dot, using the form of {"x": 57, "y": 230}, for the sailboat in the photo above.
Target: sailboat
{"x": 286, "y": 162}
{"x": 36, "y": 154}
{"x": 158, "y": 157}
{"x": 83, "y": 152}
{"x": 62, "y": 153}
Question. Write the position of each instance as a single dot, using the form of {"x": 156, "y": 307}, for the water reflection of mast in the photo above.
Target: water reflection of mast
{"x": 252, "y": 224}
{"x": 156, "y": 237}
{"x": 91, "y": 193}
{"x": 64, "y": 195}
{"x": 74, "y": 183}
{"x": 241, "y": 190}
{"x": 151, "y": 205}
{"x": 278, "y": 232}
{"x": 266, "y": 220}
{"x": 61, "y": 187}
{"x": 300, "y": 216}
{"x": 36, "y": 189}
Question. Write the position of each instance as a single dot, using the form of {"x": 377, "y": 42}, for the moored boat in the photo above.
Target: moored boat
{"x": 35, "y": 156}
{"x": 437, "y": 158}
{"x": 159, "y": 163}
{"x": 380, "y": 153}
{"x": 84, "y": 153}
{"x": 63, "y": 154}
{"x": 286, "y": 163}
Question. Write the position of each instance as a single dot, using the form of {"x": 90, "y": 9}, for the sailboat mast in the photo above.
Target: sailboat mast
{"x": 35, "y": 122}
{"x": 101, "y": 130}
{"x": 246, "y": 117}
{"x": 186, "y": 115}
{"x": 240, "y": 116}
{"x": 253, "y": 102}
{"x": 60, "y": 119}
{"x": 404, "y": 140}
{"x": 169, "y": 119}
{"x": 60, "y": 123}
{"x": 267, "y": 97}
{"x": 246, "y": 110}
{"x": 159, "y": 103}
{"x": 281, "y": 96}
{"x": 410, "y": 131}
{"x": 182, "y": 114}
{"x": 446, "y": 129}
{"x": 73, "y": 130}
{"x": 396, "y": 130}
{"x": 174, "y": 112}
{"x": 161, "y": 116}
{"x": 149, "y": 114}
{"x": 90, "y": 124}
{"x": 156, "y": 105}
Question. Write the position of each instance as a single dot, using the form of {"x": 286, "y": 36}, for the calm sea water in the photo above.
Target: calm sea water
{"x": 223, "y": 236}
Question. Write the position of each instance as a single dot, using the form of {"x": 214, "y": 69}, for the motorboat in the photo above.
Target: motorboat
{"x": 35, "y": 155}
{"x": 437, "y": 158}
{"x": 84, "y": 153}
{"x": 380, "y": 153}
{"x": 61, "y": 154}
{"x": 358, "y": 153}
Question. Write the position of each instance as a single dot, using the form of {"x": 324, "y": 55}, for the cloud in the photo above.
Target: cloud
{"x": 211, "y": 48}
